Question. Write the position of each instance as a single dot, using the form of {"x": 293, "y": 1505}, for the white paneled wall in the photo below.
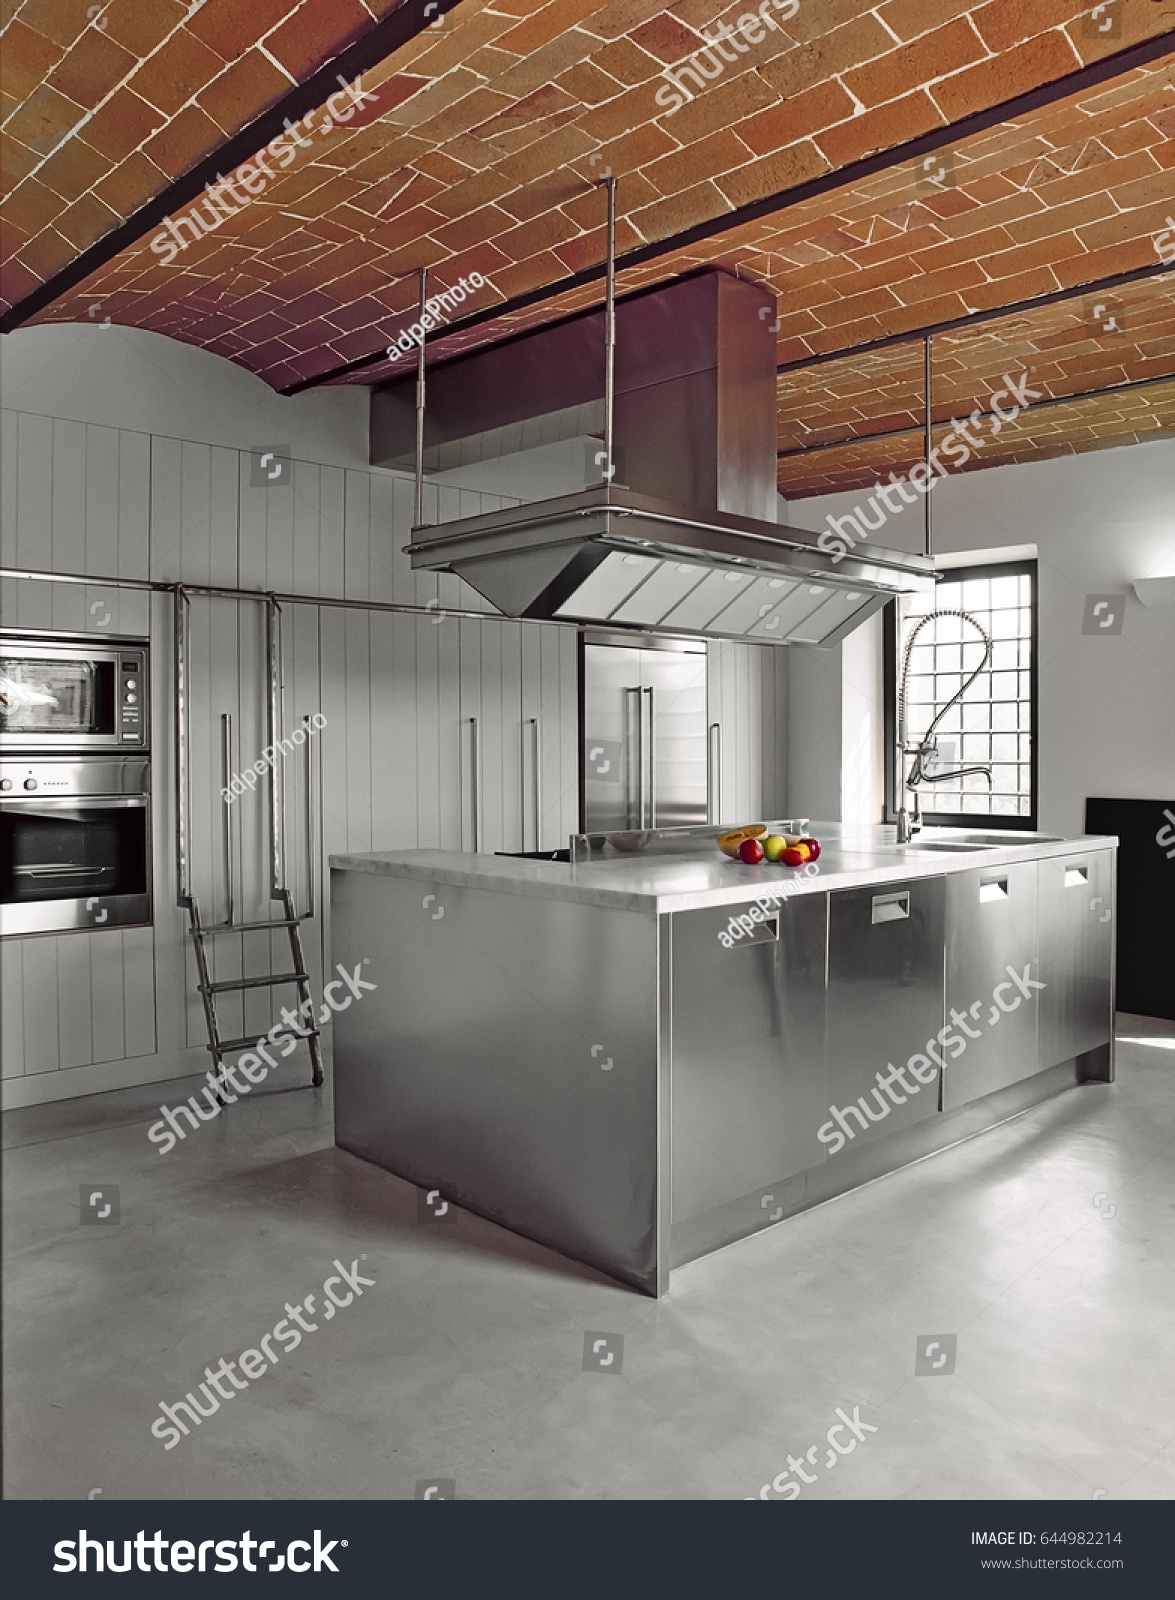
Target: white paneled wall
{"x": 392, "y": 768}
{"x": 89, "y": 1011}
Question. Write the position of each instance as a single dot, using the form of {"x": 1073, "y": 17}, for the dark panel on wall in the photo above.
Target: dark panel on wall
{"x": 1146, "y": 899}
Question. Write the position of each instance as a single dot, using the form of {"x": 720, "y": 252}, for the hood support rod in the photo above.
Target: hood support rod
{"x": 419, "y": 512}
{"x": 609, "y": 183}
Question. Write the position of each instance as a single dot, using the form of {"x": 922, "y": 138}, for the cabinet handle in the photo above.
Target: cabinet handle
{"x": 309, "y": 817}
{"x": 536, "y": 781}
{"x": 226, "y": 766}
{"x": 891, "y": 907}
{"x": 714, "y": 775}
{"x": 993, "y": 889}
{"x": 1076, "y": 876}
{"x": 475, "y": 781}
{"x": 652, "y": 767}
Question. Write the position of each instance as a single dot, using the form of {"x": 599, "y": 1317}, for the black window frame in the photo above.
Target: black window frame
{"x": 967, "y": 819}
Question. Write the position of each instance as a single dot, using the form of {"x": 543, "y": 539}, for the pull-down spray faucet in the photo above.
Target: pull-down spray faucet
{"x": 927, "y": 746}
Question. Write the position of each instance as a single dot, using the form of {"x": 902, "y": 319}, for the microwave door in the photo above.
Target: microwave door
{"x": 50, "y": 697}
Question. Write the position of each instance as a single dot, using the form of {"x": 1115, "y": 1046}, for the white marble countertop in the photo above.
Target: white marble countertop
{"x": 851, "y": 857}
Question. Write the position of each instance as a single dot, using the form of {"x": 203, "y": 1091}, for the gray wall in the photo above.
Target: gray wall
{"x": 1107, "y": 704}
{"x": 127, "y": 454}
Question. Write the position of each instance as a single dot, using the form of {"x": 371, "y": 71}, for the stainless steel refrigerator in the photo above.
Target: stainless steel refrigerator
{"x": 645, "y": 742}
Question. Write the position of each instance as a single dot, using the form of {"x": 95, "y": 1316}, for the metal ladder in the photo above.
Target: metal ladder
{"x": 291, "y": 922}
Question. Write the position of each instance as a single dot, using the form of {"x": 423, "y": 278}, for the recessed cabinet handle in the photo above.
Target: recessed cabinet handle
{"x": 993, "y": 889}
{"x": 891, "y": 907}
{"x": 1076, "y": 876}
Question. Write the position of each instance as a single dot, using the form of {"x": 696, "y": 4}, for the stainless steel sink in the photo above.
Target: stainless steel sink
{"x": 950, "y": 846}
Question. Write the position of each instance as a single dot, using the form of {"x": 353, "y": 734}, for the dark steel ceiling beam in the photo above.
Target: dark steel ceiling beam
{"x": 385, "y": 37}
{"x": 1078, "y": 82}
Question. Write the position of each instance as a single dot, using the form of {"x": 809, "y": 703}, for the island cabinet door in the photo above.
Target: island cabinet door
{"x": 1075, "y": 946}
{"x": 748, "y": 1054}
{"x": 884, "y": 1005}
{"x": 991, "y": 960}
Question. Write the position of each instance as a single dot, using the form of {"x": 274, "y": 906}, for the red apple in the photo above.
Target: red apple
{"x": 794, "y": 857}
{"x": 813, "y": 848}
{"x": 751, "y": 851}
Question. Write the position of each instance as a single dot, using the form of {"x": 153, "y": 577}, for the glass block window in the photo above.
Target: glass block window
{"x": 994, "y": 723}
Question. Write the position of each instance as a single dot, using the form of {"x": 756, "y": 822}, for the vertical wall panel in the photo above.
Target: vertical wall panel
{"x": 102, "y": 502}
{"x": 12, "y": 1061}
{"x": 74, "y": 1001}
{"x": 9, "y": 470}
{"x": 139, "y": 991}
{"x": 39, "y": 993}
{"x": 70, "y": 613}
{"x": 106, "y": 969}
{"x": 34, "y": 517}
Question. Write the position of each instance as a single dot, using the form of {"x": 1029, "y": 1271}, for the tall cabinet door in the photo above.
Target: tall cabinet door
{"x": 673, "y": 687}
{"x": 885, "y": 1001}
{"x": 613, "y": 724}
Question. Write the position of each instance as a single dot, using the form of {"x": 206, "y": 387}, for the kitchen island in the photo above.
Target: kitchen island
{"x": 637, "y": 1058}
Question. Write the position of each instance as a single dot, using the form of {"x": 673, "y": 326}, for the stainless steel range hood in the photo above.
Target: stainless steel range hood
{"x": 609, "y": 555}
{"x": 695, "y": 420}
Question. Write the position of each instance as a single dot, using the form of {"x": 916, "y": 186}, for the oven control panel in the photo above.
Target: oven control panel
{"x": 130, "y": 698}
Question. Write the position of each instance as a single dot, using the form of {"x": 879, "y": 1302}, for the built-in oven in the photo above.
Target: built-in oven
{"x": 75, "y": 843}
{"x": 62, "y": 692}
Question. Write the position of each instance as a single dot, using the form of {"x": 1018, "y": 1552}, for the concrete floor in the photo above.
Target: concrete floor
{"x": 465, "y": 1360}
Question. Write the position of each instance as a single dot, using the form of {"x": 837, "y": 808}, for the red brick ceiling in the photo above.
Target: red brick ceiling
{"x": 491, "y": 129}
{"x": 101, "y": 106}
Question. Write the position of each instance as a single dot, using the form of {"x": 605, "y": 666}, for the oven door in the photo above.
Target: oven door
{"x": 74, "y": 863}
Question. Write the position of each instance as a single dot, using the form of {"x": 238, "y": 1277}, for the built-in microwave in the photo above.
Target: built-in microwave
{"x": 59, "y": 693}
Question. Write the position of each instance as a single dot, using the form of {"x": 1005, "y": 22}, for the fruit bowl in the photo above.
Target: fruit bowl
{"x": 627, "y": 841}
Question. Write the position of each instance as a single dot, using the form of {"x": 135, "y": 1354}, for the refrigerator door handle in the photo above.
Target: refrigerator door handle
{"x": 652, "y": 765}
{"x": 640, "y": 757}
{"x": 715, "y": 774}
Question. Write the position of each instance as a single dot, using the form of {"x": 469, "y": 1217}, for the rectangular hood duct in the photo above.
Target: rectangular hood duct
{"x": 684, "y": 540}
{"x": 608, "y": 555}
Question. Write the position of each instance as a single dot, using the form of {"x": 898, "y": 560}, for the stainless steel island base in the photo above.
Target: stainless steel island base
{"x": 576, "y": 1051}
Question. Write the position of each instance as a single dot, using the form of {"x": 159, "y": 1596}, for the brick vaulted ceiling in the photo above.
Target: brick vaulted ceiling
{"x": 884, "y": 169}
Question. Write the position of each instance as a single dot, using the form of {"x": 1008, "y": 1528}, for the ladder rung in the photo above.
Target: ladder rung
{"x": 268, "y": 981}
{"x": 245, "y": 927}
{"x": 225, "y": 1045}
